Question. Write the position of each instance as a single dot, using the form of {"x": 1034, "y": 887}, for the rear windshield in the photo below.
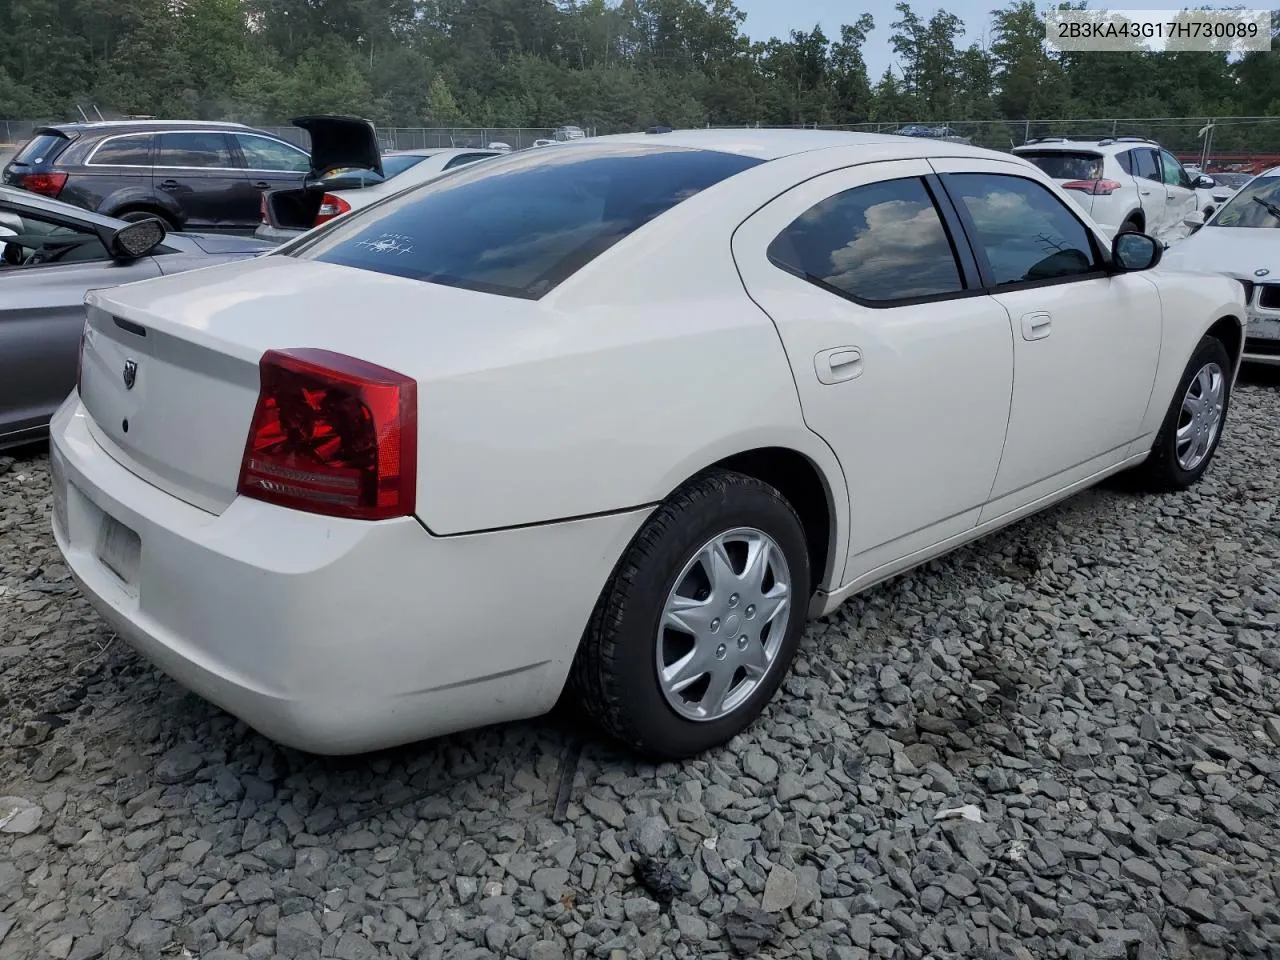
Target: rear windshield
{"x": 41, "y": 148}
{"x": 520, "y": 225}
{"x": 1062, "y": 165}
{"x": 399, "y": 163}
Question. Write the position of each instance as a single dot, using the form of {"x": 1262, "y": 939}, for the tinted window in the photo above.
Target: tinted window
{"x": 465, "y": 158}
{"x": 41, "y": 148}
{"x": 1026, "y": 232}
{"x": 134, "y": 151}
{"x": 31, "y": 240}
{"x": 521, "y": 225}
{"x": 263, "y": 154}
{"x": 399, "y": 164}
{"x": 880, "y": 242}
{"x": 194, "y": 150}
{"x": 1062, "y": 165}
{"x": 1144, "y": 165}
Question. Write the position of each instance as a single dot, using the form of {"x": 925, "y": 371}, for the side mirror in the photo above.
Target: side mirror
{"x": 1135, "y": 251}
{"x": 1194, "y": 220}
{"x": 135, "y": 239}
{"x": 1205, "y": 183}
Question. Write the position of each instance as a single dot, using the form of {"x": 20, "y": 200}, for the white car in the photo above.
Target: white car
{"x": 1123, "y": 183}
{"x": 645, "y": 405}
{"x": 1242, "y": 240}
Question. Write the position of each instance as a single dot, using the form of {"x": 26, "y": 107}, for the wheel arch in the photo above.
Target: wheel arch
{"x": 1229, "y": 330}
{"x": 813, "y": 483}
{"x": 133, "y": 198}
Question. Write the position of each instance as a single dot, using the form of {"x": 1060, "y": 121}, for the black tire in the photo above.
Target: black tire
{"x": 615, "y": 673}
{"x": 1161, "y": 471}
{"x": 133, "y": 216}
{"x": 1130, "y": 226}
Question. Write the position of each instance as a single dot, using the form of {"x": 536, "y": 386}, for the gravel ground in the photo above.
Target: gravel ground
{"x": 1098, "y": 685}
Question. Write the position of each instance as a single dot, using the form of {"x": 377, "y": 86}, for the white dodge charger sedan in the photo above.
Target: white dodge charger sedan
{"x": 619, "y": 416}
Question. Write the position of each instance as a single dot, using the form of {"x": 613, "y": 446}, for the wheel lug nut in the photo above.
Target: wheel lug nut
{"x": 751, "y": 611}
{"x": 715, "y": 624}
{"x": 720, "y": 652}
{"x": 742, "y": 642}
{"x": 733, "y": 601}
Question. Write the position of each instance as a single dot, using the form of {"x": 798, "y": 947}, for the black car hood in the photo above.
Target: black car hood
{"x": 339, "y": 142}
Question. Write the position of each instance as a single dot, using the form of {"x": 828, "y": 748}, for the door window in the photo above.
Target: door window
{"x": 879, "y": 243}
{"x": 207, "y": 150}
{"x": 261, "y": 153}
{"x": 1145, "y": 165}
{"x": 1027, "y": 234}
{"x": 27, "y": 240}
{"x": 1174, "y": 175}
{"x": 131, "y": 151}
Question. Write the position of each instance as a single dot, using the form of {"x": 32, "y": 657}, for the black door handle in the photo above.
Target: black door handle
{"x": 169, "y": 185}
{"x": 261, "y": 185}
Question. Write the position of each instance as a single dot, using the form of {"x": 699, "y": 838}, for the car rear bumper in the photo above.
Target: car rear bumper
{"x": 327, "y": 635}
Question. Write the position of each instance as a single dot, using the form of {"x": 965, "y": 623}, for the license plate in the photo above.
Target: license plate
{"x": 59, "y": 494}
{"x": 119, "y": 549}
{"x": 1263, "y": 328}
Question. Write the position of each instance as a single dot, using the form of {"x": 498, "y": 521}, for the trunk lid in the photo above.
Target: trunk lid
{"x": 191, "y": 343}
{"x": 340, "y": 143}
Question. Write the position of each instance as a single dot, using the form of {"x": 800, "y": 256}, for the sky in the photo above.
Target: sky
{"x": 777, "y": 18}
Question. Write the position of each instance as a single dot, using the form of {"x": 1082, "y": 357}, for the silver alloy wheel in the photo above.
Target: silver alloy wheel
{"x": 723, "y": 624}
{"x": 1201, "y": 416}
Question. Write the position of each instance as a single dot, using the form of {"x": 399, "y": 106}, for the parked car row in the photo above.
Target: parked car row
{"x": 654, "y": 400}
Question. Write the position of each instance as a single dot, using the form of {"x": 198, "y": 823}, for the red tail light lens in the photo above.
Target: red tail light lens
{"x": 262, "y": 207}
{"x": 332, "y": 435}
{"x": 1098, "y": 188}
{"x": 331, "y": 205}
{"x": 45, "y": 184}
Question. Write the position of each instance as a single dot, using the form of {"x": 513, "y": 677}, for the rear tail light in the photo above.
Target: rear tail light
{"x": 1098, "y": 188}
{"x": 332, "y": 435}
{"x": 80, "y": 358}
{"x": 331, "y": 205}
{"x": 45, "y": 184}
{"x": 262, "y": 207}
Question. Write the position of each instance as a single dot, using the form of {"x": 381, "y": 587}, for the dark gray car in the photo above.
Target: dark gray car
{"x": 51, "y": 253}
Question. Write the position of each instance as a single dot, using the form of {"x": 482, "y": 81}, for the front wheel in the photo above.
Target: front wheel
{"x": 699, "y": 623}
{"x": 1192, "y": 428}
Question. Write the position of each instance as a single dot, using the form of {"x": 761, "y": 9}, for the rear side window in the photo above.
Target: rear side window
{"x": 880, "y": 243}
{"x": 1064, "y": 165}
{"x": 41, "y": 148}
{"x": 131, "y": 151}
{"x": 1143, "y": 164}
{"x": 521, "y": 225}
{"x": 194, "y": 150}
{"x": 465, "y": 158}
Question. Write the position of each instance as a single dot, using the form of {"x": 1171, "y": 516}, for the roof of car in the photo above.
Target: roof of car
{"x": 436, "y": 151}
{"x": 767, "y": 144}
{"x": 1076, "y": 143}
{"x": 121, "y": 126}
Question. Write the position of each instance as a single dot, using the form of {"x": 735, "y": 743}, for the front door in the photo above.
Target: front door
{"x": 1182, "y": 193}
{"x": 45, "y": 268}
{"x": 903, "y": 365}
{"x": 1086, "y": 342}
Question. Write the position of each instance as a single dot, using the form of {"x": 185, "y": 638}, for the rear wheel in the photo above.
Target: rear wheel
{"x": 699, "y": 623}
{"x": 1131, "y": 225}
{"x": 1192, "y": 428}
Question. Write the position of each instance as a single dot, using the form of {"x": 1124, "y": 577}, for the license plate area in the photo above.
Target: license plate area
{"x": 1263, "y": 328}
{"x": 119, "y": 550}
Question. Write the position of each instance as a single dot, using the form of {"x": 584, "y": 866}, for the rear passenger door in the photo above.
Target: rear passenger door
{"x": 903, "y": 364}
{"x": 1144, "y": 163}
{"x": 198, "y": 169}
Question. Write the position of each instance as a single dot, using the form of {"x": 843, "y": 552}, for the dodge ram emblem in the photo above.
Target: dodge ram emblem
{"x": 130, "y": 373}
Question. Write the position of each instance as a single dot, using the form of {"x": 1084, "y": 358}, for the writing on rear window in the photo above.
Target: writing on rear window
{"x": 520, "y": 225}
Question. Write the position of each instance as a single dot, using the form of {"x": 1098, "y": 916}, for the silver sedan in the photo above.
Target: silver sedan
{"x": 51, "y": 253}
